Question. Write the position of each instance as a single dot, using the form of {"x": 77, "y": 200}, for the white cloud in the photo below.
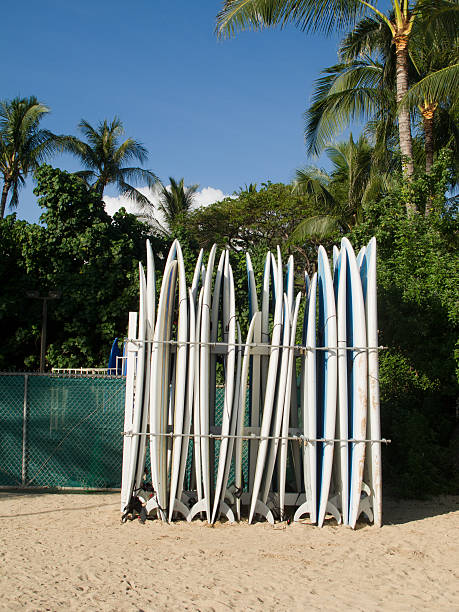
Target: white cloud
{"x": 209, "y": 195}
{"x": 204, "y": 197}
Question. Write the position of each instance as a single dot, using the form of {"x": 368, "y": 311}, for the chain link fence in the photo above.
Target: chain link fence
{"x": 65, "y": 431}
{"x": 61, "y": 431}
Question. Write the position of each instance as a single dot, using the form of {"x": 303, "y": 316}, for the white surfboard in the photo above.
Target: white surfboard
{"x": 149, "y": 329}
{"x": 309, "y": 403}
{"x": 374, "y": 419}
{"x": 241, "y": 412}
{"x": 181, "y": 357}
{"x": 139, "y": 396}
{"x": 204, "y": 383}
{"x": 196, "y": 277}
{"x": 357, "y": 382}
{"x": 159, "y": 386}
{"x": 189, "y": 393}
{"x": 291, "y": 377}
{"x": 256, "y": 390}
{"x": 229, "y": 319}
{"x": 277, "y": 416}
{"x": 196, "y": 403}
{"x": 327, "y": 381}
{"x": 270, "y": 390}
{"x": 342, "y": 425}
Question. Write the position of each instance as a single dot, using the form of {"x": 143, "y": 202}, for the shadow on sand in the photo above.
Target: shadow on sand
{"x": 29, "y": 495}
{"x": 395, "y": 511}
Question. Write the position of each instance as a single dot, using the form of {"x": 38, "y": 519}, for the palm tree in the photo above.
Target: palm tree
{"x": 104, "y": 156}
{"x": 175, "y": 204}
{"x": 361, "y": 86}
{"x": 437, "y": 85}
{"x": 343, "y": 194}
{"x": 23, "y": 145}
{"x": 313, "y": 15}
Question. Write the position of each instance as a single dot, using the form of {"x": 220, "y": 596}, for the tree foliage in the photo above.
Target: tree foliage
{"x": 81, "y": 251}
{"x": 23, "y": 144}
{"x": 418, "y": 268}
{"x": 105, "y": 156}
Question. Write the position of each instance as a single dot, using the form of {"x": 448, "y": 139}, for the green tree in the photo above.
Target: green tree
{"x": 312, "y": 15}
{"x": 255, "y": 219}
{"x": 418, "y": 267}
{"x": 80, "y": 250}
{"x": 23, "y": 144}
{"x": 104, "y": 156}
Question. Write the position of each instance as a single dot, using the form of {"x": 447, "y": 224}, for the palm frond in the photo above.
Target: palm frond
{"x": 314, "y": 183}
{"x": 440, "y": 86}
{"x": 307, "y": 15}
{"x": 346, "y": 92}
{"x": 319, "y": 228}
{"x": 134, "y": 194}
{"x": 130, "y": 149}
{"x": 139, "y": 176}
{"x": 371, "y": 35}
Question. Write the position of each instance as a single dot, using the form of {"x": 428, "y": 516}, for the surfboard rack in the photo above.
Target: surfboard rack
{"x": 171, "y": 400}
{"x": 201, "y": 506}
{"x": 366, "y": 503}
{"x": 181, "y": 508}
{"x": 261, "y": 509}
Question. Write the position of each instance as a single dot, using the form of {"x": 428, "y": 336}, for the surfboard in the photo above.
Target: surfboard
{"x": 204, "y": 382}
{"x": 310, "y": 403}
{"x": 196, "y": 404}
{"x": 270, "y": 390}
{"x": 256, "y": 385}
{"x": 181, "y": 357}
{"x": 196, "y": 277}
{"x": 368, "y": 274}
{"x": 289, "y": 283}
{"x": 159, "y": 387}
{"x": 327, "y": 381}
{"x": 357, "y": 380}
{"x": 241, "y": 411}
{"x": 291, "y": 377}
{"x": 149, "y": 327}
{"x": 189, "y": 393}
{"x": 139, "y": 381}
{"x": 113, "y": 362}
{"x": 342, "y": 426}
{"x": 278, "y": 410}
{"x": 229, "y": 320}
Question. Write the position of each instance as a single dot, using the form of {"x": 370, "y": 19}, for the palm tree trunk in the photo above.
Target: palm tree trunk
{"x": 5, "y": 190}
{"x": 427, "y": 112}
{"x": 404, "y": 127}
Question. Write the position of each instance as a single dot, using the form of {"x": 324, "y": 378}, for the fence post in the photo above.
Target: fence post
{"x": 24, "y": 431}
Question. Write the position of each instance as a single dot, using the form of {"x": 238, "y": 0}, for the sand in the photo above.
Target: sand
{"x": 70, "y": 552}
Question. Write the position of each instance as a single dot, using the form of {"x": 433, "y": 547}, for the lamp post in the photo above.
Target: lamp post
{"x": 52, "y": 295}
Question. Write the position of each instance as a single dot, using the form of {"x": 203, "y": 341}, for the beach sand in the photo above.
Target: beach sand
{"x": 70, "y": 552}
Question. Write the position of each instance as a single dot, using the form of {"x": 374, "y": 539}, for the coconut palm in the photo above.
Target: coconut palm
{"x": 313, "y": 15}
{"x": 104, "y": 154}
{"x": 361, "y": 86}
{"x": 174, "y": 204}
{"x": 343, "y": 193}
{"x": 436, "y": 89}
{"x": 23, "y": 144}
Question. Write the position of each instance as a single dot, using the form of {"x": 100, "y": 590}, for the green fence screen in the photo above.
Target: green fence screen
{"x": 61, "y": 431}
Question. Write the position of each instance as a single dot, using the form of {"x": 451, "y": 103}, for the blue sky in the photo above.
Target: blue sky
{"x": 218, "y": 113}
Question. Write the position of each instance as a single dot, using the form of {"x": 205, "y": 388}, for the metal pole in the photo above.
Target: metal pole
{"x": 43, "y": 334}
{"x": 24, "y": 431}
